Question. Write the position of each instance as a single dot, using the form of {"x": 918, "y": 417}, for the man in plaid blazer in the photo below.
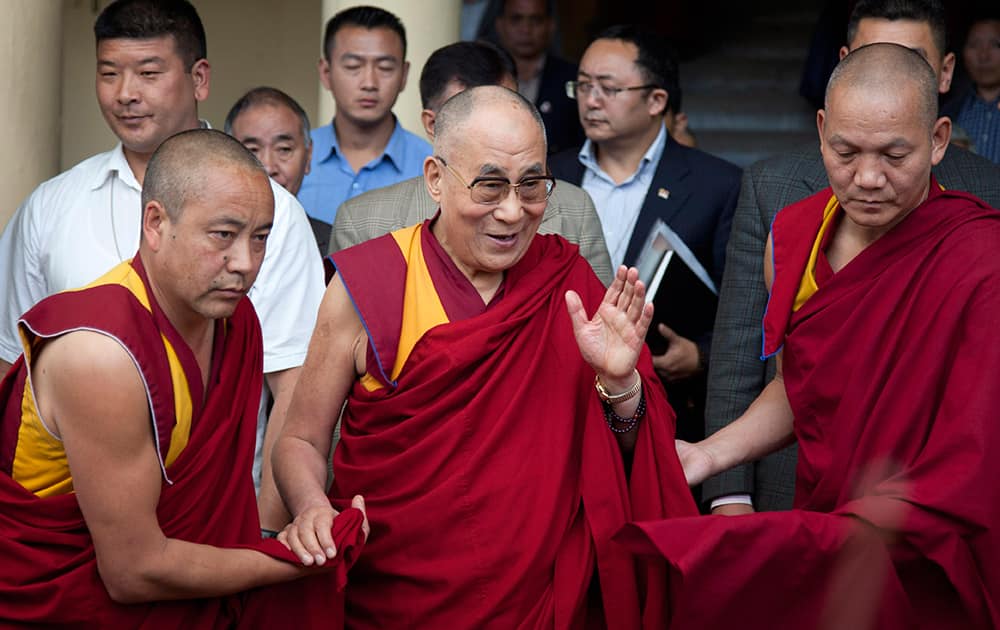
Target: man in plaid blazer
{"x": 736, "y": 374}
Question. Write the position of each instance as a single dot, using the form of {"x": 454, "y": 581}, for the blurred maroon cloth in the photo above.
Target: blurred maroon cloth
{"x": 890, "y": 370}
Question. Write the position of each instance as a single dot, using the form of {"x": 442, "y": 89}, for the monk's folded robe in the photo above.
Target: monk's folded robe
{"x": 205, "y": 443}
{"x": 890, "y": 367}
{"x": 492, "y": 482}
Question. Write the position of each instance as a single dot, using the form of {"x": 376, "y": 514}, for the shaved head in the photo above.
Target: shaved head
{"x": 176, "y": 172}
{"x": 881, "y": 69}
{"x": 449, "y": 126}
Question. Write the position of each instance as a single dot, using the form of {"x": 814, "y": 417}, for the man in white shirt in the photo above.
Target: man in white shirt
{"x": 151, "y": 75}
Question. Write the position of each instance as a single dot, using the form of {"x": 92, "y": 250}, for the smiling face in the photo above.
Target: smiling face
{"x": 878, "y": 149}
{"x": 486, "y": 239}
{"x": 145, "y": 92}
{"x": 206, "y": 256}
{"x": 274, "y": 133}
{"x": 365, "y": 73}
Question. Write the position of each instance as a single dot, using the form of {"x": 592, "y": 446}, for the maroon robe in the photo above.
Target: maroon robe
{"x": 492, "y": 483}
{"x": 49, "y": 569}
{"x": 889, "y": 369}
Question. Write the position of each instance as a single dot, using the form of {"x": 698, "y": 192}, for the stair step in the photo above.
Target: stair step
{"x": 733, "y": 73}
{"x": 749, "y": 109}
{"x": 745, "y": 148}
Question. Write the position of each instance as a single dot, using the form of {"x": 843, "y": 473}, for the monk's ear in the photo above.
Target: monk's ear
{"x": 433, "y": 174}
{"x": 843, "y": 52}
{"x": 820, "y": 121}
{"x": 154, "y": 224}
{"x": 940, "y": 137}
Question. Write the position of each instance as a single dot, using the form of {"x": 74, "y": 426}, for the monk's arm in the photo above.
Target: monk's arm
{"x": 4, "y": 367}
{"x": 335, "y": 357}
{"x": 91, "y": 394}
{"x": 273, "y": 515}
{"x": 765, "y": 427}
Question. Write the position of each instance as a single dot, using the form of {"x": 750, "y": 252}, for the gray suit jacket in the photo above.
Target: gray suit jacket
{"x": 570, "y": 213}
{"x": 736, "y": 374}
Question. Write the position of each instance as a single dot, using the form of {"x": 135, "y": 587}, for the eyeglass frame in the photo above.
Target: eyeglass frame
{"x": 606, "y": 92}
{"x": 495, "y": 178}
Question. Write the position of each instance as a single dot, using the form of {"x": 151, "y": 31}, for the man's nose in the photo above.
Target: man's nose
{"x": 128, "y": 91}
{"x": 369, "y": 77}
{"x": 509, "y": 209}
{"x": 269, "y": 160}
{"x": 870, "y": 173}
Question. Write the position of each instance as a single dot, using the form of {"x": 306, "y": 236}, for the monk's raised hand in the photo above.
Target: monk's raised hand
{"x": 612, "y": 339}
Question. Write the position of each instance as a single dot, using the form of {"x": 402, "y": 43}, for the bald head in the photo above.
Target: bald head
{"x": 176, "y": 172}
{"x": 884, "y": 69}
{"x": 452, "y": 121}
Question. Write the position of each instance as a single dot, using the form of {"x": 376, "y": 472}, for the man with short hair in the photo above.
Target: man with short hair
{"x": 736, "y": 373}
{"x": 885, "y": 294}
{"x": 133, "y": 404}
{"x": 525, "y": 29}
{"x": 448, "y": 71}
{"x": 471, "y": 419}
{"x": 275, "y": 128}
{"x": 638, "y": 174}
{"x": 979, "y": 110}
{"x": 364, "y": 66}
{"x": 151, "y": 75}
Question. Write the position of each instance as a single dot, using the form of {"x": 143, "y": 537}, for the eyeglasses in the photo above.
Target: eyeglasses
{"x": 583, "y": 89}
{"x": 492, "y": 190}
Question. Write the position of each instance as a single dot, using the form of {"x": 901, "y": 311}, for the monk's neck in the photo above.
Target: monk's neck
{"x": 850, "y": 239}
{"x": 197, "y": 331}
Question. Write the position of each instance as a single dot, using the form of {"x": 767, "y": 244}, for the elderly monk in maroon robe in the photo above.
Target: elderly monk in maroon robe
{"x": 884, "y": 312}
{"x": 127, "y": 427}
{"x": 494, "y": 471}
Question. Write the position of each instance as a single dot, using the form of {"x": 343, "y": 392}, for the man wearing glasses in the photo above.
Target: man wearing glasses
{"x": 637, "y": 174}
{"x": 494, "y": 391}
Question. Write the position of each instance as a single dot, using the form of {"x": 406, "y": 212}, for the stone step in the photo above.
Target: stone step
{"x": 734, "y": 73}
{"x": 745, "y": 148}
{"x": 743, "y": 110}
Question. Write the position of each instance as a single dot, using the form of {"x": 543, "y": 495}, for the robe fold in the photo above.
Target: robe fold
{"x": 890, "y": 370}
{"x": 492, "y": 482}
{"x": 49, "y": 575}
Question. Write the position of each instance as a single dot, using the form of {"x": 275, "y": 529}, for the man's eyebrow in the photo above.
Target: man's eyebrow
{"x": 284, "y": 137}
{"x": 600, "y": 77}
{"x": 142, "y": 62}
{"x": 491, "y": 169}
{"x": 534, "y": 169}
{"x": 352, "y": 56}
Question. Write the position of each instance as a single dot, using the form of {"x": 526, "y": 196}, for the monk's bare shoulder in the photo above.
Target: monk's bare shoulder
{"x": 87, "y": 376}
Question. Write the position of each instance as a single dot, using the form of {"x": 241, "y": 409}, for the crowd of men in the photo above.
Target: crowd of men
{"x": 448, "y": 415}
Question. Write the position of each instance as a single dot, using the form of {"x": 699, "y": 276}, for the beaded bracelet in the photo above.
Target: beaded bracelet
{"x": 628, "y": 424}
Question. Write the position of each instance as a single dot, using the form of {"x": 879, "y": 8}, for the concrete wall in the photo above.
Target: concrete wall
{"x": 250, "y": 43}
{"x": 29, "y": 105}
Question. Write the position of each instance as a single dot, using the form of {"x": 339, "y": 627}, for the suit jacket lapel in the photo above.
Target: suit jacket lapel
{"x": 667, "y": 194}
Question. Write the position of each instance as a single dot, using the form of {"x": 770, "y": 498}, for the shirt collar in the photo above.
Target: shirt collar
{"x": 588, "y": 155}
{"x": 327, "y": 145}
{"x": 115, "y": 163}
